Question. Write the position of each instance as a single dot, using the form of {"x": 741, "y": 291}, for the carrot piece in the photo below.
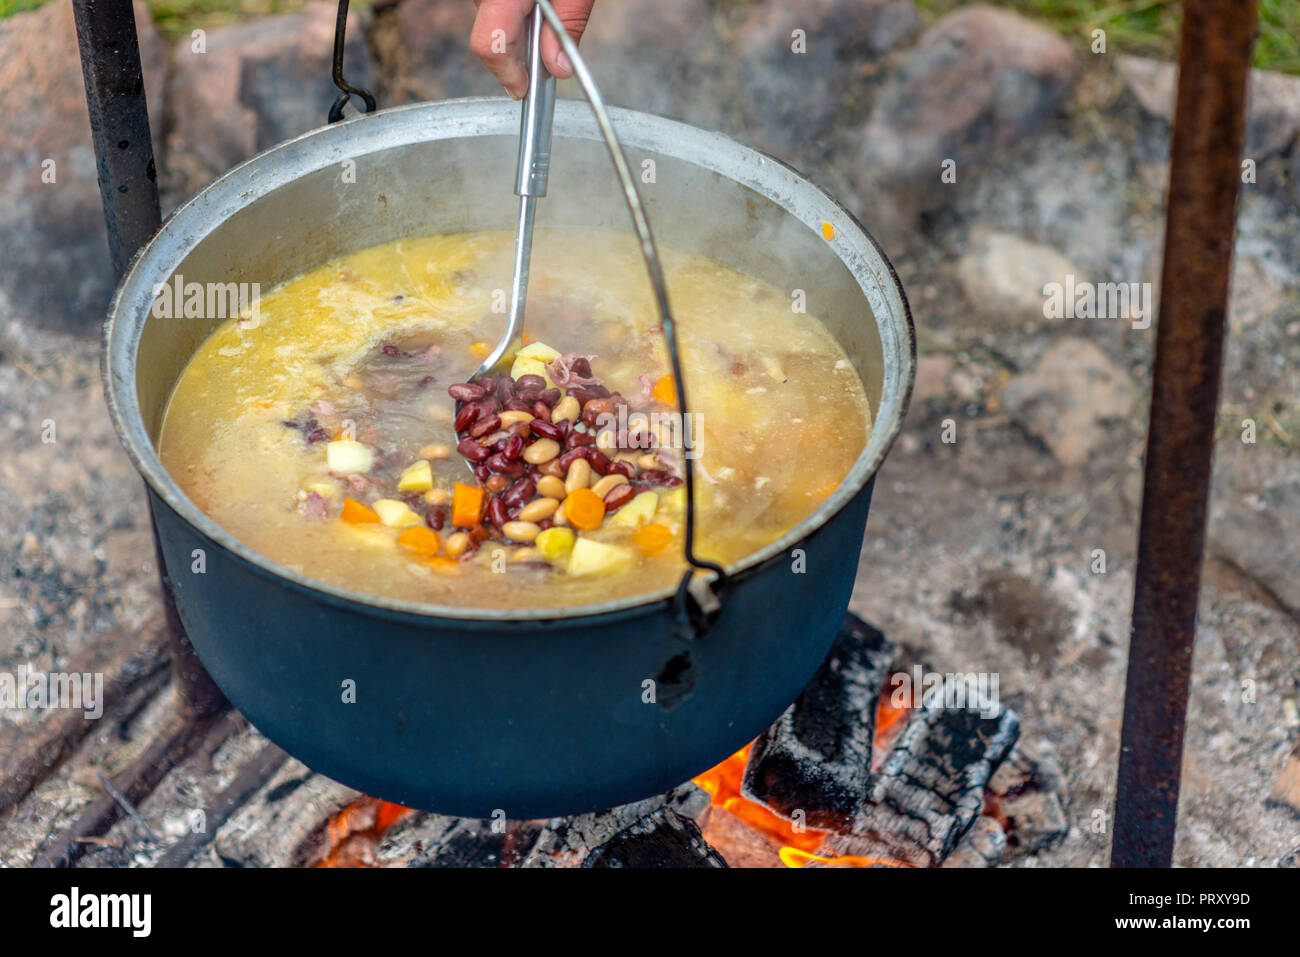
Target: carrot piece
{"x": 480, "y": 350}
{"x": 467, "y": 503}
{"x": 354, "y": 513}
{"x": 584, "y": 508}
{"x": 421, "y": 540}
{"x": 665, "y": 390}
{"x": 653, "y": 539}
{"x": 444, "y": 565}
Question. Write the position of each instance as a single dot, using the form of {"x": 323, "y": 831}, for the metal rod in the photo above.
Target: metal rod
{"x": 119, "y": 123}
{"x": 1209, "y": 124}
{"x": 128, "y": 187}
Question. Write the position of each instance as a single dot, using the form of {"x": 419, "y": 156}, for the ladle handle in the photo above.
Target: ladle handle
{"x": 534, "y": 171}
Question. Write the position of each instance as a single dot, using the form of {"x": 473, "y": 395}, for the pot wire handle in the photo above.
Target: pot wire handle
{"x": 696, "y": 603}
{"x": 340, "y": 39}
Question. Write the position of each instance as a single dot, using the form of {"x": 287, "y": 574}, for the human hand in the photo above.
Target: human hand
{"x": 500, "y": 37}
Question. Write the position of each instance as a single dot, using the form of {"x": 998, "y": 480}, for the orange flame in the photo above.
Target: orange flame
{"x": 793, "y": 857}
{"x": 354, "y": 832}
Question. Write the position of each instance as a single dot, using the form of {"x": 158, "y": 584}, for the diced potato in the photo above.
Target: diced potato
{"x": 596, "y": 558}
{"x": 673, "y": 502}
{"x": 345, "y": 457}
{"x": 538, "y": 350}
{"x": 526, "y": 365}
{"x": 326, "y": 490}
{"x": 636, "y": 512}
{"x": 554, "y": 543}
{"x": 394, "y": 513}
{"x": 416, "y": 477}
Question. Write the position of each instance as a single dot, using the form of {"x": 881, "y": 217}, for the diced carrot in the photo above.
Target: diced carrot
{"x": 444, "y": 565}
{"x": 480, "y": 350}
{"x": 467, "y": 503}
{"x": 584, "y": 509}
{"x": 421, "y": 540}
{"x": 653, "y": 539}
{"x": 354, "y": 513}
{"x": 665, "y": 390}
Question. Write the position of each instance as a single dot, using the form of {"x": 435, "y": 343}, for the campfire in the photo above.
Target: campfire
{"x": 861, "y": 771}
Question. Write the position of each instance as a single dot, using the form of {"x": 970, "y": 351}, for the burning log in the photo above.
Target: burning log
{"x": 566, "y": 842}
{"x": 816, "y": 758}
{"x": 433, "y": 840}
{"x": 931, "y": 788}
{"x": 1024, "y": 795}
{"x": 983, "y": 846}
{"x": 661, "y": 839}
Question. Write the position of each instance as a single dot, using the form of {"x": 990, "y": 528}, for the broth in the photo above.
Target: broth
{"x": 363, "y": 349}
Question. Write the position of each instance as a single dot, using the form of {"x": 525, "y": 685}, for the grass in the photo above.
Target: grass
{"x": 1147, "y": 27}
{"x": 1143, "y": 27}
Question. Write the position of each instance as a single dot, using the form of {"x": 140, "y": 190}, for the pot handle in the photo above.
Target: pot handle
{"x": 698, "y": 598}
{"x": 347, "y": 90}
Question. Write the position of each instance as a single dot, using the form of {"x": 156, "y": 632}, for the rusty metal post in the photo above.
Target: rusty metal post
{"x": 1204, "y": 175}
{"x": 128, "y": 185}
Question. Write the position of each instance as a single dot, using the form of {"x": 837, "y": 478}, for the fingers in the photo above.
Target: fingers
{"x": 500, "y": 37}
{"x": 574, "y": 14}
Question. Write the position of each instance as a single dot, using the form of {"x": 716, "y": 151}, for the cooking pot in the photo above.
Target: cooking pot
{"x": 477, "y": 712}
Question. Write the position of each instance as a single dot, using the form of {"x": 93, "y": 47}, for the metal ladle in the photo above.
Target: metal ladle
{"x": 531, "y": 180}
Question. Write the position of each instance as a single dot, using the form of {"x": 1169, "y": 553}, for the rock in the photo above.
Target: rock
{"x": 424, "y": 48}
{"x": 55, "y": 268}
{"x": 1004, "y": 275}
{"x": 798, "y": 62}
{"x": 659, "y": 56}
{"x": 251, "y": 86}
{"x": 1255, "y": 516}
{"x": 1068, "y": 397}
{"x": 1273, "y": 102}
{"x": 979, "y": 79}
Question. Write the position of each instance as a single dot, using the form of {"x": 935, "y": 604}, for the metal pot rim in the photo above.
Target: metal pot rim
{"x": 189, "y": 225}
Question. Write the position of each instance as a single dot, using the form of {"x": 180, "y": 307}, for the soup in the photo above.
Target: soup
{"x": 333, "y": 430}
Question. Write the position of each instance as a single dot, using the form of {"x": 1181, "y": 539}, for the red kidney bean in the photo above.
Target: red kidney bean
{"x": 436, "y": 518}
{"x": 489, "y": 385}
{"x": 519, "y": 405}
{"x": 485, "y": 425}
{"x": 600, "y": 463}
{"x": 497, "y": 484}
{"x": 619, "y": 496}
{"x": 626, "y": 469}
{"x": 496, "y": 512}
{"x": 567, "y": 459}
{"x": 545, "y": 523}
{"x": 585, "y": 393}
{"x": 579, "y": 439}
{"x": 530, "y": 383}
{"x": 550, "y": 396}
{"x": 528, "y": 395}
{"x": 547, "y": 430}
{"x": 515, "y": 470}
{"x": 513, "y": 448}
{"x": 552, "y": 467}
{"x": 520, "y": 492}
{"x": 465, "y": 417}
{"x": 541, "y": 410}
{"x": 497, "y": 462}
{"x": 467, "y": 391}
{"x": 655, "y": 476}
{"x": 482, "y": 472}
{"x": 472, "y": 450}
{"x": 581, "y": 367}
{"x": 521, "y": 429}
